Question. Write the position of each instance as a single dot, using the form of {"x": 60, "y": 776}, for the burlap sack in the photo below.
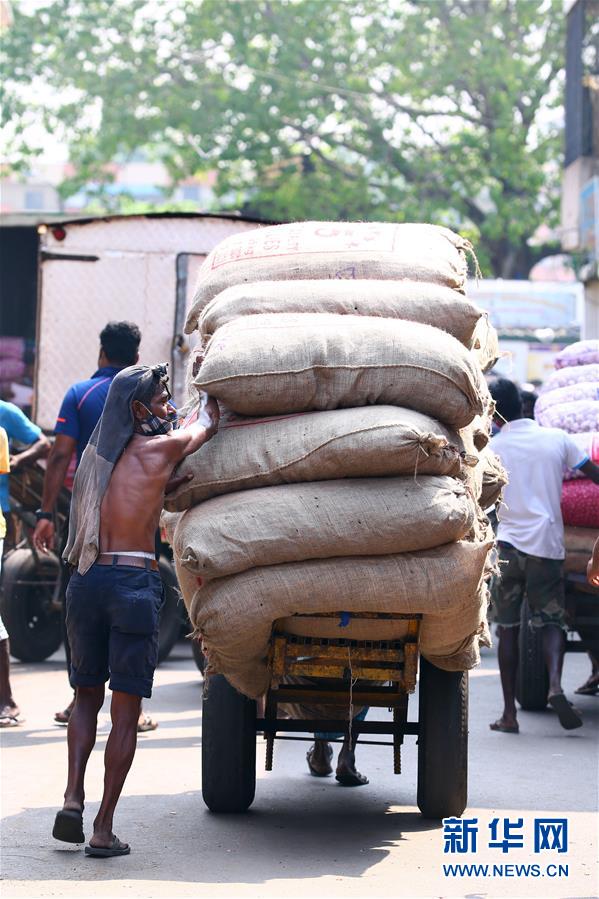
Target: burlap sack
{"x": 417, "y": 301}
{"x": 234, "y": 615}
{"x": 277, "y": 364}
{"x": 579, "y": 543}
{"x": 373, "y": 441}
{"x": 494, "y": 479}
{"x": 308, "y": 251}
{"x": 294, "y": 522}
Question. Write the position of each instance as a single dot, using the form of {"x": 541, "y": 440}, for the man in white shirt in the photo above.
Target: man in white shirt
{"x": 530, "y": 538}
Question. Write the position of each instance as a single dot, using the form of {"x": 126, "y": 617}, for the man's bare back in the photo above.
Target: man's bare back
{"x": 133, "y": 502}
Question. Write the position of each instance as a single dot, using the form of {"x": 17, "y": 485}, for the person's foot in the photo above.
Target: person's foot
{"x": 569, "y": 717}
{"x": 144, "y": 724}
{"x": 10, "y": 715}
{"x": 347, "y": 774}
{"x": 319, "y": 759}
{"x": 507, "y": 724}
{"x": 590, "y": 686}
{"x": 106, "y": 846}
{"x": 62, "y": 718}
{"x": 68, "y": 824}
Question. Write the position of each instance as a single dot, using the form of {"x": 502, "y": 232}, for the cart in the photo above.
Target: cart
{"x": 379, "y": 669}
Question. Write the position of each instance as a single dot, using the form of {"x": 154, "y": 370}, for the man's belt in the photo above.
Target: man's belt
{"x": 129, "y": 561}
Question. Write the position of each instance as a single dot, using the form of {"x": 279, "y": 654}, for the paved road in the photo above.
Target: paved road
{"x": 303, "y": 837}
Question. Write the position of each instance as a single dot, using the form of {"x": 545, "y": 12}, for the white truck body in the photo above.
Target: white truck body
{"x": 139, "y": 268}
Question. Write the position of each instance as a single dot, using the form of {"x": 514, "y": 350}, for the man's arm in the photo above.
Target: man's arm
{"x": 188, "y": 440}
{"x": 590, "y": 470}
{"x": 37, "y": 450}
{"x": 56, "y": 469}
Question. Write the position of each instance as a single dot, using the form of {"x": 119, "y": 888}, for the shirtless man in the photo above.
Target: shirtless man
{"x": 115, "y": 595}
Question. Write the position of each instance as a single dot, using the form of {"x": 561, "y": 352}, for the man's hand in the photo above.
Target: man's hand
{"x": 14, "y": 462}
{"x": 210, "y": 416}
{"x": 44, "y": 536}
{"x": 593, "y": 566}
{"x": 175, "y": 481}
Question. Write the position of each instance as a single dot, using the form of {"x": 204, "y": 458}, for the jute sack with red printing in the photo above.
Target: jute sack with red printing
{"x": 307, "y": 251}
{"x": 372, "y": 441}
{"x": 234, "y": 615}
{"x": 293, "y": 522}
{"x": 277, "y": 364}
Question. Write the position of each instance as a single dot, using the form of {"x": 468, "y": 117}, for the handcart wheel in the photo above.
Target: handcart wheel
{"x": 442, "y": 742}
{"x": 228, "y": 747}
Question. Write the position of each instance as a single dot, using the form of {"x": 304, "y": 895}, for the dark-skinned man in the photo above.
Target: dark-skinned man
{"x": 115, "y": 594}
{"x": 79, "y": 414}
{"x": 530, "y": 537}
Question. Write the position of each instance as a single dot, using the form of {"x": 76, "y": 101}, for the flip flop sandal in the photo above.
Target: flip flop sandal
{"x": 505, "y": 728}
{"x": 68, "y": 826}
{"x": 116, "y": 848}
{"x": 315, "y": 772}
{"x": 351, "y": 780}
{"x": 10, "y": 721}
{"x": 588, "y": 689}
{"x": 568, "y": 717}
{"x": 146, "y": 725}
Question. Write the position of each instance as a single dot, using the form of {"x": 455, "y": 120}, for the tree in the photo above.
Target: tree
{"x": 439, "y": 110}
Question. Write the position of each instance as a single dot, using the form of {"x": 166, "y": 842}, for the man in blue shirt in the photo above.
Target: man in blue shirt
{"x": 20, "y": 430}
{"x": 79, "y": 413}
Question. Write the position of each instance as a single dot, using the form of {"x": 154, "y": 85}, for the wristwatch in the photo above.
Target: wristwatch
{"x": 43, "y": 516}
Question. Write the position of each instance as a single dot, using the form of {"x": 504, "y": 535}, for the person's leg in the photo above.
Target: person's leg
{"x": 81, "y": 739}
{"x": 120, "y": 750}
{"x": 508, "y": 593}
{"x": 545, "y": 590}
{"x": 507, "y": 658}
{"x": 347, "y": 774}
{"x": 9, "y": 711}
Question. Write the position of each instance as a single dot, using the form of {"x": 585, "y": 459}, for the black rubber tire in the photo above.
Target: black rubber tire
{"x": 532, "y": 679}
{"x": 198, "y": 655}
{"x": 442, "y": 742}
{"x": 34, "y": 627}
{"x": 228, "y": 747}
{"x": 172, "y": 611}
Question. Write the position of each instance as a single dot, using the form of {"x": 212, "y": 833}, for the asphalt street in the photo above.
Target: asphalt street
{"x": 303, "y": 836}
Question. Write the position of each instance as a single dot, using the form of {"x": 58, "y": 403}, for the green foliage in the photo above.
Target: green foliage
{"x": 439, "y": 110}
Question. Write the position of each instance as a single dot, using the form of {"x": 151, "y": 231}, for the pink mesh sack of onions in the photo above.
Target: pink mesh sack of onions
{"x": 586, "y": 443}
{"x": 563, "y": 395}
{"x": 567, "y": 377}
{"x": 584, "y": 352}
{"x": 580, "y": 504}
{"x": 575, "y": 418}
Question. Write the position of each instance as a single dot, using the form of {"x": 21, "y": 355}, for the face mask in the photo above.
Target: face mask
{"x": 152, "y": 426}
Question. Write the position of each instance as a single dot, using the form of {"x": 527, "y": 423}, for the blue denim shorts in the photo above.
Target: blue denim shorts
{"x": 113, "y": 616}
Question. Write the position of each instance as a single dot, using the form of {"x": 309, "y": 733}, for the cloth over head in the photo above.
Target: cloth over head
{"x": 111, "y": 435}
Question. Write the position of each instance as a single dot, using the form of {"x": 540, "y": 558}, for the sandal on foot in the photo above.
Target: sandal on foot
{"x": 351, "y": 780}
{"x": 316, "y": 772}
{"x": 10, "y": 720}
{"x": 567, "y": 714}
{"x": 68, "y": 826}
{"x": 116, "y": 848}
{"x": 145, "y": 724}
{"x": 589, "y": 688}
{"x": 505, "y": 728}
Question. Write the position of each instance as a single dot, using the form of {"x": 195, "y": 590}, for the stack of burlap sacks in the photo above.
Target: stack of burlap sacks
{"x": 349, "y": 472}
{"x": 569, "y": 399}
